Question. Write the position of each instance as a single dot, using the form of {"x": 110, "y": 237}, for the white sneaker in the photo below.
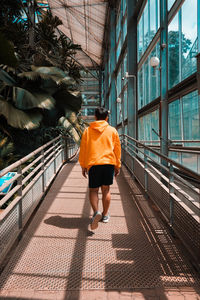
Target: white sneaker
{"x": 105, "y": 219}
{"x": 95, "y": 220}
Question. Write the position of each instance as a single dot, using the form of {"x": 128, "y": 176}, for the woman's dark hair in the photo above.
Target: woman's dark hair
{"x": 101, "y": 113}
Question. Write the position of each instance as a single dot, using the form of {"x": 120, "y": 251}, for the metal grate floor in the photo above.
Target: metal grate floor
{"x": 59, "y": 252}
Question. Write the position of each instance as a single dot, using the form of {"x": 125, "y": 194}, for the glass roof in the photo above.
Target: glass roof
{"x": 84, "y": 23}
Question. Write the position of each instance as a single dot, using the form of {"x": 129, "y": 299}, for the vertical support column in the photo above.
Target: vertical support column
{"x": 19, "y": 193}
{"x": 171, "y": 199}
{"x": 113, "y": 91}
{"x": 106, "y": 101}
{"x": 164, "y": 78}
{"x": 132, "y": 68}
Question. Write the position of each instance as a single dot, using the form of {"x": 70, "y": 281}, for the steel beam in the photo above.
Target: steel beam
{"x": 132, "y": 68}
{"x": 113, "y": 103}
{"x": 164, "y": 77}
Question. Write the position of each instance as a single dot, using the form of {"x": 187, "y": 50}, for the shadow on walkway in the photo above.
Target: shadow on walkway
{"x": 132, "y": 253}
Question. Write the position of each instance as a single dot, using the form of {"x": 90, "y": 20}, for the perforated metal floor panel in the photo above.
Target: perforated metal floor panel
{"x": 59, "y": 252}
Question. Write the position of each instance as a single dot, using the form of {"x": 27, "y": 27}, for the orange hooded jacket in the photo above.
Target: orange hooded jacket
{"x": 100, "y": 145}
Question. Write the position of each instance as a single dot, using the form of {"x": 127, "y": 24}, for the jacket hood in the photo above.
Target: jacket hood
{"x": 99, "y": 125}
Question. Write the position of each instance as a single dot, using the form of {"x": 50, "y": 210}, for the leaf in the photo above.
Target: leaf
{"x": 49, "y": 71}
{"x": 29, "y": 75}
{"x": 70, "y": 128}
{"x": 5, "y": 77}
{"x": 19, "y": 119}
{"x": 26, "y": 100}
{"x": 72, "y": 118}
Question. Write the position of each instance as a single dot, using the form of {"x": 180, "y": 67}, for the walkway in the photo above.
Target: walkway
{"x": 132, "y": 257}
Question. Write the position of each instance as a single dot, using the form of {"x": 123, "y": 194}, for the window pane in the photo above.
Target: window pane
{"x": 175, "y": 121}
{"x": 189, "y": 38}
{"x": 146, "y": 82}
{"x": 191, "y": 117}
{"x": 152, "y": 18}
{"x": 124, "y": 29}
{"x": 173, "y": 48}
{"x": 155, "y": 76}
{"x": 140, "y": 38}
{"x": 140, "y": 88}
{"x": 146, "y": 27}
{"x": 141, "y": 129}
{"x": 125, "y": 104}
{"x": 170, "y": 3}
{"x": 146, "y": 124}
{"x": 119, "y": 81}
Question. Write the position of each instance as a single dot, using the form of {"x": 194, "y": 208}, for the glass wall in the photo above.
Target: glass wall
{"x": 147, "y": 124}
{"x": 148, "y": 25}
{"x": 182, "y": 43}
{"x": 170, "y": 3}
{"x": 90, "y": 93}
{"x": 148, "y": 80}
{"x": 184, "y": 118}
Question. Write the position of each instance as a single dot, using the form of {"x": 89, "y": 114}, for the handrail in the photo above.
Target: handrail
{"x": 178, "y": 199}
{"x": 167, "y": 159}
{"x": 31, "y": 182}
{"x": 27, "y": 157}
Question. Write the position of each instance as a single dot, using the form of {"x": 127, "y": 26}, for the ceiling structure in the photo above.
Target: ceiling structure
{"x": 84, "y": 23}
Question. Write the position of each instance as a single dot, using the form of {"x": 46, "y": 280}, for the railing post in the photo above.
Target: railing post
{"x": 171, "y": 199}
{"x": 19, "y": 193}
{"x": 65, "y": 148}
{"x": 145, "y": 171}
{"x": 54, "y": 151}
{"x": 123, "y": 146}
{"x": 42, "y": 161}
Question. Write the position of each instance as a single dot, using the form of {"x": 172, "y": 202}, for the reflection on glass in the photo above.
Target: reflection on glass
{"x": 125, "y": 104}
{"x": 152, "y": 18}
{"x": 146, "y": 27}
{"x": 119, "y": 82}
{"x": 90, "y": 99}
{"x": 146, "y": 124}
{"x": 146, "y": 82}
{"x": 189, "y": 38}
{"x": 190, "y": 161}
{"x": 173, "y": 52}
{"x": 140, "y": 38}
{"x": 175, "y": 120}
{"x": 155, "y": 76}
{"x": 174, "y": 156}
{"x": 140, "y": 88}
{"x": 119, "y": 113}
{"x": 191, "y": 117}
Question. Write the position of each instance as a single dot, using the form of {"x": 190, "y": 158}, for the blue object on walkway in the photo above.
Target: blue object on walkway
{"x": 5, "y": 178}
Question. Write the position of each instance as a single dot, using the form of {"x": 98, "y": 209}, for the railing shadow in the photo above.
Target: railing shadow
{"x": 149, "y": 258}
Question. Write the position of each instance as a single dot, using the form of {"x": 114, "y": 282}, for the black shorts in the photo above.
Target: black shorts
{"x": 101, "y": 175}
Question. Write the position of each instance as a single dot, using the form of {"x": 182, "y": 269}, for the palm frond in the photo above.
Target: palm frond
{"x": 19, "y": 119}
{"x": 70, "y": 129}
{"x": 27, "y": 100}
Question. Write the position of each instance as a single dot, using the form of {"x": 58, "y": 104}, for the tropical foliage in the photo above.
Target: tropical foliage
{"x": 39, "y": 80}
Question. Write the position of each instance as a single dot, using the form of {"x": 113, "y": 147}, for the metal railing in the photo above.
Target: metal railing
{"x": 177, "y": 198}
{"x": 32, "y": 176}
{"x": 184, "y": 152}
